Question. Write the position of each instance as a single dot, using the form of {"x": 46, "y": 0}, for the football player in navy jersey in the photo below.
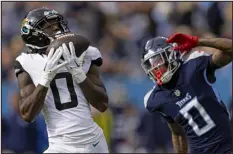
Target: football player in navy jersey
{"x": 183, "y": 93}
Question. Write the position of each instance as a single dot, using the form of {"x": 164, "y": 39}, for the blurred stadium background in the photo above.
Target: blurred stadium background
{"x": 119, "y": 30}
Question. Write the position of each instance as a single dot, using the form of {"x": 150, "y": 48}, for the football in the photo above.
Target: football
{"x": 80, "y": 43}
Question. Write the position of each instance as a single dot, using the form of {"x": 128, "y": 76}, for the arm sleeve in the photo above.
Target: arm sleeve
{"x": 150, "y": 102}
{"x": 202, "y": 59}
{"x": 166, "y": 117}
{"x": 204, "y": 62}
{"x": 18, "y": 68}
{"x": 96, "y": 58}
{"x": 146, "y": 98}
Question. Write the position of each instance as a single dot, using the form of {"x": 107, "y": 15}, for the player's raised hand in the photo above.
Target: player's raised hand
{"x": 75, "y": 63}
{"x": 51, "y": 66}
{"x": 184, "y": 42}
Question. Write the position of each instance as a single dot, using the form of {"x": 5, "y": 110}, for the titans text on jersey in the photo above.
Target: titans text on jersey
{"x": 194, "y": 104}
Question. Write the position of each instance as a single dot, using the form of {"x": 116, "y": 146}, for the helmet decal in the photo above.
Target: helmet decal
{"x": 25, "y": 20}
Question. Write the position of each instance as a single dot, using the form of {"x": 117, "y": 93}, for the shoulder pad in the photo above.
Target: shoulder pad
{"x": 194, "y": 55}
{"x": 18, "y": 64}
{"x": 147, "y": 96}
{"x": 20, "y": 58}
{"x": 94, "y": 55}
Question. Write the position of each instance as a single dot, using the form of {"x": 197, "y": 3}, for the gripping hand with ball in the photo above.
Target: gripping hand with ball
{"x": 75, "y": 63}
{"x": 51, "y": 67}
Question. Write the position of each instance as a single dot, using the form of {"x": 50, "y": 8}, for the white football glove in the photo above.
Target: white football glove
{"x": 51, "y": 67}
{"x": 75, "y": 64}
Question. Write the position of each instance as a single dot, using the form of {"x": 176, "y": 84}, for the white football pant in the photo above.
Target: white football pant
{"x": 98, "y": 146}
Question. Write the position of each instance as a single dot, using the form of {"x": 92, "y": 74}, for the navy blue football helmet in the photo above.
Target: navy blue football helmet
{"x": 159, "y": 60}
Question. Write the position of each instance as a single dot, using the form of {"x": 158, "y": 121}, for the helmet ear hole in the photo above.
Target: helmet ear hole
{"x": 25, "y": 30}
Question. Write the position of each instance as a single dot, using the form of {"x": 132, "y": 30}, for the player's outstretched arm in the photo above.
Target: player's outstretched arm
{"x": 94, "y": 89}
{"x": 223, "y": 55}
{"x": 32, "y": 98}
{"x": 220, "y": 58}
{"x": 178, "y": 138}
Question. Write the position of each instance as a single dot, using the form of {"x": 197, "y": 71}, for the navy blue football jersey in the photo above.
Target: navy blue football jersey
{"x": 190, "y": 100}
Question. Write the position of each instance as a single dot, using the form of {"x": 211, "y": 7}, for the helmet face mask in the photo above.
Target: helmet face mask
{"x": 50, "y": 27}
{"x": 40, "y": 27}
{"x": 160, "y": 63}
{"x": 48, "y": 22}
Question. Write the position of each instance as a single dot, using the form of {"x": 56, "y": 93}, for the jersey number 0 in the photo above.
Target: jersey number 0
{"x": 209, "y": 122}
{"x": 57, "y": 98}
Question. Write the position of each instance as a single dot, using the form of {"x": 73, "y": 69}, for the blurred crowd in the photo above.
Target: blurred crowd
{"x": 118, "y": 30}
